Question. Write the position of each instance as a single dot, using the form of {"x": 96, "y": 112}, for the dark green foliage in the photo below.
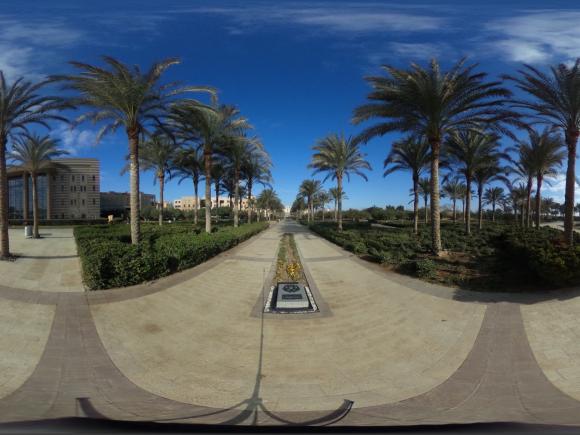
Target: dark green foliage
{"x": 498, "y": 257}
{"x": 109, "y": 260}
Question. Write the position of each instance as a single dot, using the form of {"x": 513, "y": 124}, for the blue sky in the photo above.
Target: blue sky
{"x": 295, "y": 69}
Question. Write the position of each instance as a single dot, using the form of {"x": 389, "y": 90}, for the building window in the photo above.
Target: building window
{"x": 71, "y": 202}
{"x": 83, "y": 202}
{"x": 62, "y": 188}
{"x": 94, "y": 178}
{"x": 94, "y": 201}
{"x": 72, "y": 178}
{"x": 94, "y": 188}
{"x": 82, "y": 178}
{"x": 62, "y": 178}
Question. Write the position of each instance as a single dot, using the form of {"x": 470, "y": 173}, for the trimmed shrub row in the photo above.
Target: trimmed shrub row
{"x": 109, "y": 260}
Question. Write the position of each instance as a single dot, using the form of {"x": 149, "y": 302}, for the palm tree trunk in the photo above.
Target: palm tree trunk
{"x": 425, "y": 198}
{"x": 454, "y": 210}
{"x": 160, "y": 207}
{"x": 479, "y": 205}
{"x": 463, "y": 210}
{"x": 493, "y": 211}
{"x": 415, "y": 204}
{"x": 4, "y": 243}
{"x": 207, "y": 165}
{"x": 25, "y": 197}
{"x": 571, "y": 141}
{"x": 196, "y": 199}
{"x": 250, "y": 205}
{"x": 336, "y": 210}
{"x": 339, "y": 210}
{"x": 35, "y": 216}
{"x": 435, "y": 216}
{"x": 322, "y": 213}
{"x": 529, "y": 202}
{"x": 236, "y": 197}
{"x": 538, "y": 200}
{"x": 468, "y": 205}
{"x": 522, "y": 212}
{"x": 134, "y": 202}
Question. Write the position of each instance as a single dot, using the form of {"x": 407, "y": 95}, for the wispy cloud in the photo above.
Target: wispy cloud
{"x": 557, "y": 189}
{"x": 537, "y": 37}
{"x": 27, "y": 45}
{"x": 76, "y": 139}
{"x": 343, "y": 18}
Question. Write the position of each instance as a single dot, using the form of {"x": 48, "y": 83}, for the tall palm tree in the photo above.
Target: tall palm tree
{"x": 20, "y": 107}
{"x": 522, "y": 167}
{"x": 158, "y": 153}
{"x": 555, "y": 101}
{"x": 338, "y": 156}
{"x": 189, "y": 165}
{"x": 218, "y": 174}
{"x": 334, "y": 193}
{"x": 463, "y": 190}
{"x": 493, "y": 196}
{"x": 268, "y": 200}
{"x": 308, "y": 190}
{"x": 209, "y": 125}
{"x": 432, "y": 103}
{"x": 236, "y": 150}
{"x": 321, "y": 200}
{"x": 124, "y": 96}
{"x": 483, "y": 175}
{"x": 409, "y": 154}
{"x": 468, "y": 151}
{"x": 547, "y": 150}
{"x": 256, "y": 170}
{"x": 34, "y": 154}
{"x": 424, "y": 189}
{"x": 454, "y": 191}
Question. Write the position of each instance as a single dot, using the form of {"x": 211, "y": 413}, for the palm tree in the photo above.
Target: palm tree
{"x": 454, "y": 191}
{"x": 424, "y": 189}
{"x": 34, "y": 154}
{"x": 217, "y": 174}
{"x": 483, "y": 175}
{"x": 308, "y": 190}
{"x": 410, "y": 154}
{"x": 493, "y": 196}
{"x": 523, "y": 168}
{"x": 236, "y": 150}
{"x": 334, "y": 193}
{"x": 338, "y": 156}
{"x": 547, "y": 151}
{"x": 124, "y": 96}
{"x": 209, "y": 126}
{"x": 555, "y": 101}
{"x": 256, "y": 170}
{"x": 20, "y": 107}
{"x": 268, "y": 200}
{"x": 321, "y": 200}
{"x": 431, "y": 103}
{"x": 463, "y": 190}
{"x": 468, "y": 151}
{"x": 158, "y": 154}
{"x": 189, "y": 165}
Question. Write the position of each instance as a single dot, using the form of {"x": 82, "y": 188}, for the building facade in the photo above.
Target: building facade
{"x": 116, "y": 202}
{"x": 187, "y": 203}
{"x": 68, "y": 189}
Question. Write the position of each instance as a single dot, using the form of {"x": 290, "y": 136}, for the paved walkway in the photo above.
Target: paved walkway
{"x": 393, "y": 351}
{"x": 48, "y": 264}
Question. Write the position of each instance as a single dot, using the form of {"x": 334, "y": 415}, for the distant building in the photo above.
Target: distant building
{"x": 187, "y": 203}
{"x": 119, "y": 202}
{"x": 69, "y": 189}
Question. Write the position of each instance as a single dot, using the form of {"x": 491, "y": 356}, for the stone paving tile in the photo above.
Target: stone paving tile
{"x": 47, "y": 264}
{"x": 139, "y": 354}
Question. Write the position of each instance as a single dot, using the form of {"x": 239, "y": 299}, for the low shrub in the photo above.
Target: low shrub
{"x": 425, "y": 268}
{"x": 109, "y": 259}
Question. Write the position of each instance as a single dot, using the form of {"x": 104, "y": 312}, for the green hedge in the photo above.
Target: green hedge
{"x": 109, "y": 260}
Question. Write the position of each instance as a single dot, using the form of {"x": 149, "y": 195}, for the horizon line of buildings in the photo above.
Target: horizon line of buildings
{"x": 69, "y": 188}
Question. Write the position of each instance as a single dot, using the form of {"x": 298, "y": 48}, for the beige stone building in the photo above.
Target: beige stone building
{"x": 70, "y": 189}
{"x": 187, "y": 203}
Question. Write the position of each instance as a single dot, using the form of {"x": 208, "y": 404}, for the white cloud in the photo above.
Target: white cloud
{"x": 26, "y": 46}
{"x": 344, "y": 18}
{"x": 557, "y": 189}
{"x": 76, "y": 139}
{"x": 538, "y": 36}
